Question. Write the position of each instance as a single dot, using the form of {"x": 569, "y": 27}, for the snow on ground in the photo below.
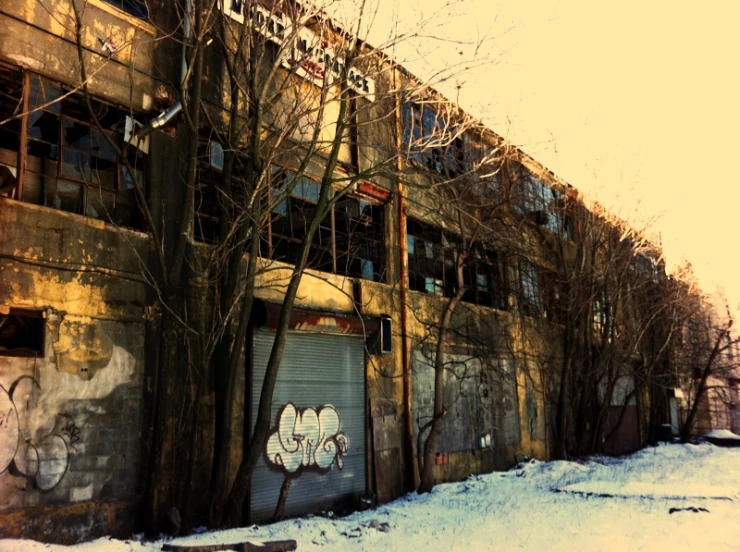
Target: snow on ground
{"x": 722, "y": 434}
{"x": 675, "y": 497}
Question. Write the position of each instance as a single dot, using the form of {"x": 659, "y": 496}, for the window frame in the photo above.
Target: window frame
{"x": 39, "y": 317}
{"x": 328, "y": 230}
{"x": 419, "y": 140}
{"x": 440, "y": 279}
{"x": 48, "y": 185}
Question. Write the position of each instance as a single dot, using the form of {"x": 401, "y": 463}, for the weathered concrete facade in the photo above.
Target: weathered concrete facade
{"x": 71, "y": 434}
{"x": 77, "y": 428}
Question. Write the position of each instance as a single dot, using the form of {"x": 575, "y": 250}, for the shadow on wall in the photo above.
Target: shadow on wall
{"x": 45, "y": 405}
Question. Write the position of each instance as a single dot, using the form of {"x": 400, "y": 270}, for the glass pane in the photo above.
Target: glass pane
{"x": 307, "y": 189}
{"x": 127, "y": 183}
{"x": 77, "y": 165}
{"x": 44, "y": 91}
{"x": 103, "y": 172}
{"x": 367, "y": 269}
{"x": 411, "y": 244}
{"x": 69, "y": 197}
{"x": 216, "y": 155}
{"x": 44, "y": 126}
{"x": 100, "y": 204}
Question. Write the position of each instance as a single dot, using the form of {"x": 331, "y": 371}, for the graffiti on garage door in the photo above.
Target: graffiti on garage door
{"x": 306, "y": 439}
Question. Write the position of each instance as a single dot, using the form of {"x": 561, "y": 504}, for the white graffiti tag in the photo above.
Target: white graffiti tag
{"x": 306, "y": 439}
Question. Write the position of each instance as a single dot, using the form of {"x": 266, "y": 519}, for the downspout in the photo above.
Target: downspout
{"x": 411, "y": 475}
{"x": 166, "y": 116}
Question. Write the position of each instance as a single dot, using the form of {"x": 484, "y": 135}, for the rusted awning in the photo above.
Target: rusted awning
{"x": 266, "y": 315}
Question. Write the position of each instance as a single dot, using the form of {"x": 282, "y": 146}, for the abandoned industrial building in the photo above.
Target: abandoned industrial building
{"x": 251, "y": 267}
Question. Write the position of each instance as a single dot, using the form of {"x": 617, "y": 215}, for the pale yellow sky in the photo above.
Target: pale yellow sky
{"x": 635, "y": 103}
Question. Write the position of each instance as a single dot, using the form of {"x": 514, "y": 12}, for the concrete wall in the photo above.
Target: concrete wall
{"x": 71, "y": 435}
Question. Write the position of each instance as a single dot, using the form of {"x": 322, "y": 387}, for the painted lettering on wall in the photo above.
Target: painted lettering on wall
{"x": 308, "y": 54}
{"x": 306, "y": 439}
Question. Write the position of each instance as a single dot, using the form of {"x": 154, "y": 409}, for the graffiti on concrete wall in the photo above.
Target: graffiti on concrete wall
{"x": 306, "y": 439}
{"x": 44, "y": 416}
{"x": 43, "y": 459}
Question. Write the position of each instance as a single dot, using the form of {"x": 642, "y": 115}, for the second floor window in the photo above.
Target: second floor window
{"x": 66, "y": 161}
{"x": 530, "y": 301}
{"x": 432, "y": 256}
{"x": 542, "y": 203}
{"x": 137, "y": 8}
{"x": 429, "y": 140}
{"x": 350, "y": 239}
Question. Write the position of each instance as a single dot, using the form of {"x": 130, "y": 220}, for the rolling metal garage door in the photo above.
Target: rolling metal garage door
{"x": 317, "y": 431}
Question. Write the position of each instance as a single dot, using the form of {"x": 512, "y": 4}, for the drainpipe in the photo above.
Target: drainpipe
{"x": 166, "y": 116}
{"x": 408, "y": 426}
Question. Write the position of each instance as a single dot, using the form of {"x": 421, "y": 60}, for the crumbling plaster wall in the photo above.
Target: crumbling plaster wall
{"x": 71, "y": 431}
{"x": 40, "y": 35}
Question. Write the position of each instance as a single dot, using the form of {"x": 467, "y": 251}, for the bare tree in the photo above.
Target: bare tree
{"x": 272, "y": 98}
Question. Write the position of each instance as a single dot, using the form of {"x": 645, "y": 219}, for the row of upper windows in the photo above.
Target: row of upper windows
{"x": 431, "y": 141}
{"x": 70, "y": 165}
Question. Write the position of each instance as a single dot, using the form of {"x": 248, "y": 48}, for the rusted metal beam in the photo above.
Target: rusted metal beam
{"x": 302, "y": 319}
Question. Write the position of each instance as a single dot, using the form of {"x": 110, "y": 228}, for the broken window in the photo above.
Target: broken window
{"x": 212, "y": 196}
{"x": 531, "y": 292}
{"x": 432, "y": 257}
{"x": 486, "y": 281}
{"x": 291, "y": 216}
{"x": 645, "y": 266}
{"x": 11, "y": 107}
{"x": 554, "y": 296}
{"x": 21, "y": 332}
{"x": 427, "y": 258}
{"x": 137, "y": 8}
{"x": 543, "y": 204}
{"x": 430, "y": 141}
{"x": 350, "y": 239}
{"x": 360, "y": 245}
{"x": 67, "y": 162}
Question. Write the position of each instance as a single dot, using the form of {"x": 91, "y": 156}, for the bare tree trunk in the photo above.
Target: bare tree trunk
{"x": 426, "y": 483}
{"x": 282, "y": 499}
{"x": 688, "y": 426}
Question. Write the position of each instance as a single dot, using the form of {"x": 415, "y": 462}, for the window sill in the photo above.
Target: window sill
{"x": 128, "y": 18}
{"x": 87, "y": 221}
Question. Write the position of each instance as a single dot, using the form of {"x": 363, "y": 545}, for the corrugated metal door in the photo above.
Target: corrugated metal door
{"x": 318, "y": 422}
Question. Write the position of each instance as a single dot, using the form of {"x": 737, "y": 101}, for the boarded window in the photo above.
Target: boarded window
{"x": 22, "y": 333}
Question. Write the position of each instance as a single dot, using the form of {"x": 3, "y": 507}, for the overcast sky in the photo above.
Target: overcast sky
{"x": 635, "y": 103}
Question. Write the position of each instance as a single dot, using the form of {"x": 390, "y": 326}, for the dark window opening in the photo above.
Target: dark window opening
{"x": 543, "y": 204}
{"x": 291, "y": 216}
{"x": 432, "y": 258}
{"x": 22, "y": 333}
{"x": 350, "y": 239}
{"x": 11, "y": 105}
{"x": 213, "y": 197}
{"x": 554, "y": 295}
{"x": 530, "y": 301}
{"x": 427, "y": 259}
{"x": 486, "y": 281}
{"x": 137, "y": 8}
{"x": 360, "y": 244}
